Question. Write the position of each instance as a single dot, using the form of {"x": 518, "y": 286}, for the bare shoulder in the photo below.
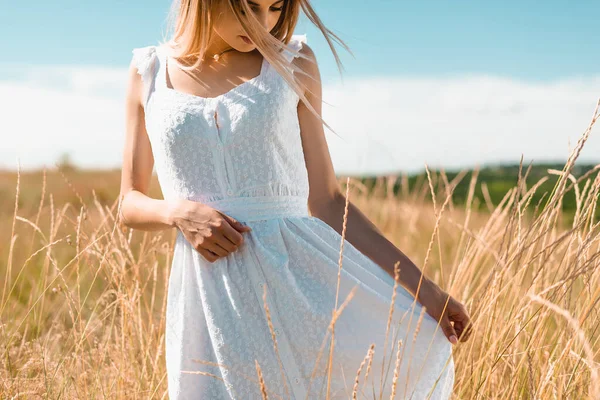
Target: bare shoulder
{"x": 308, "y": 63}
{"x": 307, "y": 50}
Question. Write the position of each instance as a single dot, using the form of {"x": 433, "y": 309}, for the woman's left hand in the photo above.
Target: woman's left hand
{"x": 455, "y": 321}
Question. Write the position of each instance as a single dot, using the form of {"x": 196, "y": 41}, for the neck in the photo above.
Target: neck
{"x": 216, "y": 47}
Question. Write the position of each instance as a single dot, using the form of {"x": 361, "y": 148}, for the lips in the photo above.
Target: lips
{"x": 246, "y": 39}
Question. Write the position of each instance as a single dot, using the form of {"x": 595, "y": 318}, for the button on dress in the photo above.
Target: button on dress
{"x": 241, "y": 153}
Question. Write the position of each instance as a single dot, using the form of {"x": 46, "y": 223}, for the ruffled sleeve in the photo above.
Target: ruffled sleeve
{"x": 144, "y": 58}
{"x": 296, "y": 44}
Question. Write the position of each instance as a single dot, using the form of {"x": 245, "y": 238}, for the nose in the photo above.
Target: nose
{"x": 263, "y": 18}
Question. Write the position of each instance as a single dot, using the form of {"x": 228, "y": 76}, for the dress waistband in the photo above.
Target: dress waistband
{"x": 262, "y": 207}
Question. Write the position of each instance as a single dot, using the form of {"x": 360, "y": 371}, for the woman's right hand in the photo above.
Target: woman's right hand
{"x": 212, "y": 233}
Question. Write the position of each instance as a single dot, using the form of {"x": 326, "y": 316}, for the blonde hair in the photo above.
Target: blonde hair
{"x": 191, "y": 26}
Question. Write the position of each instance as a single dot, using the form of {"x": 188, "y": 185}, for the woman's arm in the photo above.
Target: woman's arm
{"x": 327, "y": 203}
{"x": 138, "y": 210}
{"x": 367, "y": 238}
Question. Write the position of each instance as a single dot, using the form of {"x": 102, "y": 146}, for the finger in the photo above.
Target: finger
{"x": 232, "y": 234}
{"x": 468, "y": 329}
{"x": 460, "y": 331}
{"x": 462, "y": 321}
{"x": 460, "y": 317}
{"x": 207, "y": 254}
{"x": 237, "y": 224}
{"x": 220, "y": 240}
{"x": 448, "y": 330}
{"x": 215, "y": 248}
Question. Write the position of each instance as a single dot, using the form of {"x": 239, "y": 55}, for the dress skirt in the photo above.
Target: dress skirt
{"x": 217, "y": 329}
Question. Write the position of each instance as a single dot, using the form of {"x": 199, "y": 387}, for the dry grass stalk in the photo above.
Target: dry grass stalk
{"x": 396, "y": 371}
{"x": 263, "y": 386}
{"x": 357, "y": 377}
{"x": 342, "y": 240}
{"x": 274, "y": 338}
{"x": 417, "y": 329}
{"x": 83, "y": 300}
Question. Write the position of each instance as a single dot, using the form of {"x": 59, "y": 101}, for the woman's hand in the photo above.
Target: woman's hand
{"x": 434, "y": 299}
{"x": 212, "y": 233}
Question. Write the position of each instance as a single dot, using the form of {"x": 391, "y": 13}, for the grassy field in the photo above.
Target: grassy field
{"x": 83, "y": 298}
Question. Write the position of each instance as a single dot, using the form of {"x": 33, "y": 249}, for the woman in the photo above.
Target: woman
{"x": 229, "y": 112}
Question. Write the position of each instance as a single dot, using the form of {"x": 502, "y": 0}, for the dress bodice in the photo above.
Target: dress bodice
{"x": 243, "y": 143}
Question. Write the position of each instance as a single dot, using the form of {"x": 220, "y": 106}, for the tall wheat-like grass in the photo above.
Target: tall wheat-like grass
{"x": 82, "y": 312}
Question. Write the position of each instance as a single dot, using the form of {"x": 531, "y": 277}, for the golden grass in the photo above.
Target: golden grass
{"x": 83, "y": 299}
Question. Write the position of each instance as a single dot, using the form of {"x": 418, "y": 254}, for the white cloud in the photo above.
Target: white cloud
{"x": 400, "y": 123}
{"x": 51, "y": 111}
{"x": 387, "y": 124}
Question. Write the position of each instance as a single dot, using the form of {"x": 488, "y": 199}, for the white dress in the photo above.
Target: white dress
{"x": 241, "y": 153}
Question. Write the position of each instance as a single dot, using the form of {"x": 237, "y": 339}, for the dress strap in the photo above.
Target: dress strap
{"x": 146, "y": 60}
{"x": 161, "y": 66}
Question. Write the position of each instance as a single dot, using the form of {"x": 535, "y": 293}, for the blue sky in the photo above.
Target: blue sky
{"x": 530, "y": 40}
{"x": 496, "y": 59}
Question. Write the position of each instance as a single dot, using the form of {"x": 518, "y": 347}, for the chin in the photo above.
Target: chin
{"x": 244, "y": 48}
